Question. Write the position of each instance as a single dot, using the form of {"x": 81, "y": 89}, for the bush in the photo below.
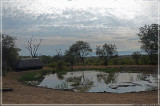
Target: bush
{"x": 52, "y": 65}
{"x": 68, "y": 64}
{"x": 96, "y": 63}
{"x": 144, "y": 60}
{"x": 60, "y": 65}
{"x": 110, "y": 63}
{"x": 45, "y": 59}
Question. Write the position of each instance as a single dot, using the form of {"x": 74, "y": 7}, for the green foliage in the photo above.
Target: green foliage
{"x": 67, "y": 64}
{"x": 145, "y": 60}
{"x": 52, "y": 65}
{"x": 149, "y": 39}
{"x": 80, "y": 49}
{"x": 95, "y": 61}
{"x": 62, "y": 71}
{"x": 110, "y": 70}
{"x": 136, "y": 56}
{"x": 45, "y": 59}
{"x": 29, "y": 77}
{"x": 9, "y": 53}
{"x": 106, "y": 51}
{"x": 92, "y": 61}
{"x": 60, "y": 65}
{"x": 126, "y": 61}
{"x": 34, "y": 76}
{"x": 68, "y": 58}
{"x": 57, "y": 58}
{"x": 114, "y": 61}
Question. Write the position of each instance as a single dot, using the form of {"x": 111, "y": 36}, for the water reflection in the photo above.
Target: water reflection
{"x": 94, "y": 81}
{"x": 60, "y": 76}
{"x": 81, "y": 83}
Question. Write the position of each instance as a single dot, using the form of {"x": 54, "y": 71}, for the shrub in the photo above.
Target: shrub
{"x": 68, "y": 64}
{"x": 52, "y": 65}
{"x": 110, "y": 63}
{"x": 101, "y": 62}
{"x": 60, "y": 65}
{"x": 144, "y": 60}
{"x": 96, "y": 63}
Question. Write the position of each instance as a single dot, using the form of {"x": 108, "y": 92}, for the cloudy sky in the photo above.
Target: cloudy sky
{"x": 62, "y": 22}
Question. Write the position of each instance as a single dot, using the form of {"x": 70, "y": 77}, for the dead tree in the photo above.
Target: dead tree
{"x": 59, "y": 52}
{"x": 32, "y": 48}
{"x": 58, "y": 55}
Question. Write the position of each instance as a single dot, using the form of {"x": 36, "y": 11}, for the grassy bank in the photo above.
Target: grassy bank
{"x": 34, "y": 77}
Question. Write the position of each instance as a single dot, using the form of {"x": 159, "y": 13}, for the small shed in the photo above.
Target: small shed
{"x": 29, "y": 64}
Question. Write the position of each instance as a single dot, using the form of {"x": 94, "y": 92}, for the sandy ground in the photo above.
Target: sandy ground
{"x": 33, "y": 95}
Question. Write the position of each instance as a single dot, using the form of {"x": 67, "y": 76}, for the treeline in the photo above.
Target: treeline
{"x": 79, "y": 52}
{"x": 51, "y": 61}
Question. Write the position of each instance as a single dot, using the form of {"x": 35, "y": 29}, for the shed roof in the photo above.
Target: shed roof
{"x": 29, "y": 63}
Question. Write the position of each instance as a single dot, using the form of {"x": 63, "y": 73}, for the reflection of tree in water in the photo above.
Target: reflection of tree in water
{"x": 108, "y": 78}
{"x": 140, "y": 76}
{"x": 60, "y": 75}
{"x": 100, "y": 77}
{"x": 81, "y": 83}
{"x": 151, "y": 87}
{"x": 75, "y": 80}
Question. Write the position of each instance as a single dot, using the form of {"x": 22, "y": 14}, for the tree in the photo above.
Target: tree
{"x": 136, "y": 56}
{"x": 106, "y": 51}
{"x": 9, "y": 53}
{"x": 69, "y": 57}
{"x": 80, "y": 49}
{"x": 32, "y": 48}
{"x": 58, "y": 55}
{"x": 149, "y": 39}
{"x": 45, "y": 59}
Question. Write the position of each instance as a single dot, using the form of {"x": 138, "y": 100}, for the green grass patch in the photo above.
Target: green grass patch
{"x": 35, "y": 75}
{"x": 62, "y": 71}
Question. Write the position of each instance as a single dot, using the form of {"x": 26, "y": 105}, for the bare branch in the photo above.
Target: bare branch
{"x": 33, "y": 48}
{"x": 59, "y": 52}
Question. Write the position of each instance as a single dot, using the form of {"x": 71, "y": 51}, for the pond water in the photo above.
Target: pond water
{"x": 95, "y": 81}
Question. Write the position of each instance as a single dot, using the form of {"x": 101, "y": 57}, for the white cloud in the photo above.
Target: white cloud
{"x": 120, "y": 8}
{"x": 61, "y": 22}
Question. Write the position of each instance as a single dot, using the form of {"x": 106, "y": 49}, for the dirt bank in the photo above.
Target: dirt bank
{"x": 33, "y": 95}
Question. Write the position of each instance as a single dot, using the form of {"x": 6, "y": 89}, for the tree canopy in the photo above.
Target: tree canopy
{"x": 80, "y": 49}
{"x": 9, "y": 52}
{"x": 136, "y": 56}
{"x": 106, "y": 51}
{"x": 149, "y": 39}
